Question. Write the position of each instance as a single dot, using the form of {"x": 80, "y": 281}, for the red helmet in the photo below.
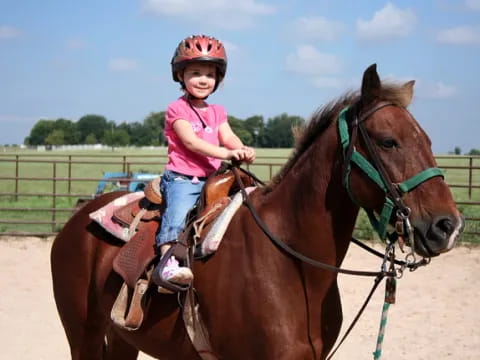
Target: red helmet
{"x": 199, "y": 48}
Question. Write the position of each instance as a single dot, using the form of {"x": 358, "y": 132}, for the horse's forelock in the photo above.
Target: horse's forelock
{"x": 396, "y": 93}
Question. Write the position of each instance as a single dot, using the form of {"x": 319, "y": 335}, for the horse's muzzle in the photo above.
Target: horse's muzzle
{"x": 438, "y": 235}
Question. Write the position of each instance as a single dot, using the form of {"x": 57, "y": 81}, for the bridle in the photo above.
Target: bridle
{"x": 377, "y": 173}
{"x": 375, "y": 170}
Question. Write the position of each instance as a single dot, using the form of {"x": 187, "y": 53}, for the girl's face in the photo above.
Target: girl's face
{"x": 199, "y": 79}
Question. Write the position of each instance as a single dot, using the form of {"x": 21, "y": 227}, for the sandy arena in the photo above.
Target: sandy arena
{"x": 436, "y": 315}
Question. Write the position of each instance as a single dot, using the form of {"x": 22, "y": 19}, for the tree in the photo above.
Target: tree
{"x": 90, "y": 139}
{"x": 39, "y": 132}
{"x": 474, "y": 152}
{"x": 117, "y": 137}
{"x": 154, "y": 124}
{"x": 238, "y": 127}
{"x": 91, "y": 125}
{"x": 255, "y": 126}
{"x": 70, "y": 135}
{"x": 140, "y": 135}
{"x": 56, "y": 137}
{"x": 278, "y": 131}
{"x": 457, "y": 150}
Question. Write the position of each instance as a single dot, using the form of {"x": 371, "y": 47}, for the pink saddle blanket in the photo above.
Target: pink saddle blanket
{"x": 103, "y": 216}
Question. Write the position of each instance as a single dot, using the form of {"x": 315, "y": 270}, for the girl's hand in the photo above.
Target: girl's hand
{"x": 245, "y": 154}
{"x": 237, "y": 154}
{"x": 250, "y": 154}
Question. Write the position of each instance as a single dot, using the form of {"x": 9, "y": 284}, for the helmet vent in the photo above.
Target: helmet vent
{"x": 198, "y": 46}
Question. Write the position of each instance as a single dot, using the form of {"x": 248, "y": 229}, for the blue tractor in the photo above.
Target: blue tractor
{"x": 116, "y": 181}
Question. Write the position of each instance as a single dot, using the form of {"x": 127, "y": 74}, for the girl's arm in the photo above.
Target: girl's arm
{"x": 228, "y": 137}
{"x": 232, "y": 141}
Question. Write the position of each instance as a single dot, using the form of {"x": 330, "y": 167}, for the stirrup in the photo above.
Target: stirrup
{"x": 165, "y": 286}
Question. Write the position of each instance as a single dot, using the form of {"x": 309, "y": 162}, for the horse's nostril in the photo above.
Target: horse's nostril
{"x": 445, "y": 225}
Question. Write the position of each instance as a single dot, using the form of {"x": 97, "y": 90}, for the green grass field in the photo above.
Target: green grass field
{"x": 44, "y": 164}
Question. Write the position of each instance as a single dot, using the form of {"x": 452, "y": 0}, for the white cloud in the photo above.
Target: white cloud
{"x": 460, "y": 35}
{"x": 317, "y": 28}
{"x": 12, "y": 118}
{"x": 9, "y": 32}
{"x": 316, "y": 66}
{"x": 387, "y": 23}
{"x": 230, "y": 47}
{"x": 438, "y": 90}
{"x": 473, "y": 4}
{"x": 221, "y": 13}
{"x": 307, "y": 60}
{"x": 122, "y": 64}
{"x": 76, "y": 44}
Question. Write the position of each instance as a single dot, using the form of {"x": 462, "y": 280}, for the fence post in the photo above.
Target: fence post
{"x": 69, "y": 174}
{"x": 124, "y": 163}
{"x": 54, "y": 196}
{"x": 470, "y": 178}
{"x": 16, "y": 176}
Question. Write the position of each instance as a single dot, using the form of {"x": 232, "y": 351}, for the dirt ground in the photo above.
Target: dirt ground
{"x": 435, "y": 317}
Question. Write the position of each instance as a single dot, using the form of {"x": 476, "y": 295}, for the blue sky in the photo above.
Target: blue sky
{"x": 111, "y": 57}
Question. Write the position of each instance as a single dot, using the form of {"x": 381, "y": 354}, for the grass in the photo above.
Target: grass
{"x": 268, "y": 163}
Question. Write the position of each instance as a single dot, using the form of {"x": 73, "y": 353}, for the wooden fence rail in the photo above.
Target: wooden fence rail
{"x": 59, "y": 174}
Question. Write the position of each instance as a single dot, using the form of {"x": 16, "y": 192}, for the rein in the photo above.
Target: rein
{"x": 293, "y": 252}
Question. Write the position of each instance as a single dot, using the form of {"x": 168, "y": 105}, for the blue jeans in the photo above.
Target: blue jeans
{"x": 180, "y": 195}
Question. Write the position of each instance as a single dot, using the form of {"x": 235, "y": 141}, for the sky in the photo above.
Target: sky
{"x": 66, "y": 59}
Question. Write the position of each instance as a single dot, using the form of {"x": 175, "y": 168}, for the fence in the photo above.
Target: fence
{"x": 29, "y": 181}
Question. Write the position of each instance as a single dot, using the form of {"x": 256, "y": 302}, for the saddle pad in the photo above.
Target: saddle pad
{"x": 103, "y": 216}
{"x": 215, "y": 235}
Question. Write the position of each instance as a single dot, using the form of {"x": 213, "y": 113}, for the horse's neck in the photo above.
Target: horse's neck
{"x": 319, "y": 209}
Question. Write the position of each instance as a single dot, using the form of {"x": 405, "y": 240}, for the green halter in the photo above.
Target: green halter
{"x": 380, "y": 224}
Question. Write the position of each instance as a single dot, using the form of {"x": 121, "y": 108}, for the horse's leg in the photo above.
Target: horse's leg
{"x": 72, "y": 272}
{"x": 118, "y": 349}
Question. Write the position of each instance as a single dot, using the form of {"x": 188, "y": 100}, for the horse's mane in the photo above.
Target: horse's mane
{"x": 305, "y": 135}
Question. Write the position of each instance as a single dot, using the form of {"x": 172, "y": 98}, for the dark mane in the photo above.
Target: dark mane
{"x": 306, "y": 135}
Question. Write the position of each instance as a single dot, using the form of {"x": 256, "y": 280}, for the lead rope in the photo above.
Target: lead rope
{"x": 390, "y": 291}
{"x": 377, "y": 282}
{"x": 383, "y": 321}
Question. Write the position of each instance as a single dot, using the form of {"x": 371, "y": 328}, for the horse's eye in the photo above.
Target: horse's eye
{"x": 388, "y": 143}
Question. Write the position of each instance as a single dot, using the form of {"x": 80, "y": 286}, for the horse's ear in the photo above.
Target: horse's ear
{"x": 371, "y": 85}
{"x": 408, "y": 92}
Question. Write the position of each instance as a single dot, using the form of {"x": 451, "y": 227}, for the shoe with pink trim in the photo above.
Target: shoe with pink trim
{"x": 175, "y": 273}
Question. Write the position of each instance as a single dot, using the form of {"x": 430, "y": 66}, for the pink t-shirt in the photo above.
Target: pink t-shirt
{"x": 182, "y": 160}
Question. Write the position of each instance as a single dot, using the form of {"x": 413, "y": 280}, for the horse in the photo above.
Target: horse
{"x": 256, "y": 300}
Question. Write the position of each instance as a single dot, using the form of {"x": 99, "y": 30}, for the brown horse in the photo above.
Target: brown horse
{"x": 257, "y": 301}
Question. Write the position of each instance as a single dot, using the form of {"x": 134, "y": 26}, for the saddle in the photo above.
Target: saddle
{"x": 136, "y": 259}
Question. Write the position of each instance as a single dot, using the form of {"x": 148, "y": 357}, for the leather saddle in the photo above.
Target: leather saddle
{"x": 135, "y": 260}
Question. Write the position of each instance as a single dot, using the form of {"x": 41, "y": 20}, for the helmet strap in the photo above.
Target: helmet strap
{"x": 192, "y": 97}
{"x": 189, "y": 101}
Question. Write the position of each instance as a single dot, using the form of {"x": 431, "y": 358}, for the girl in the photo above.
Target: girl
{"x": 194, "y": 130}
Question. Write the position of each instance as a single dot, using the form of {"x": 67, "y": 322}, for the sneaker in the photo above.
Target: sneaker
{"x": 175, "y": 273}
